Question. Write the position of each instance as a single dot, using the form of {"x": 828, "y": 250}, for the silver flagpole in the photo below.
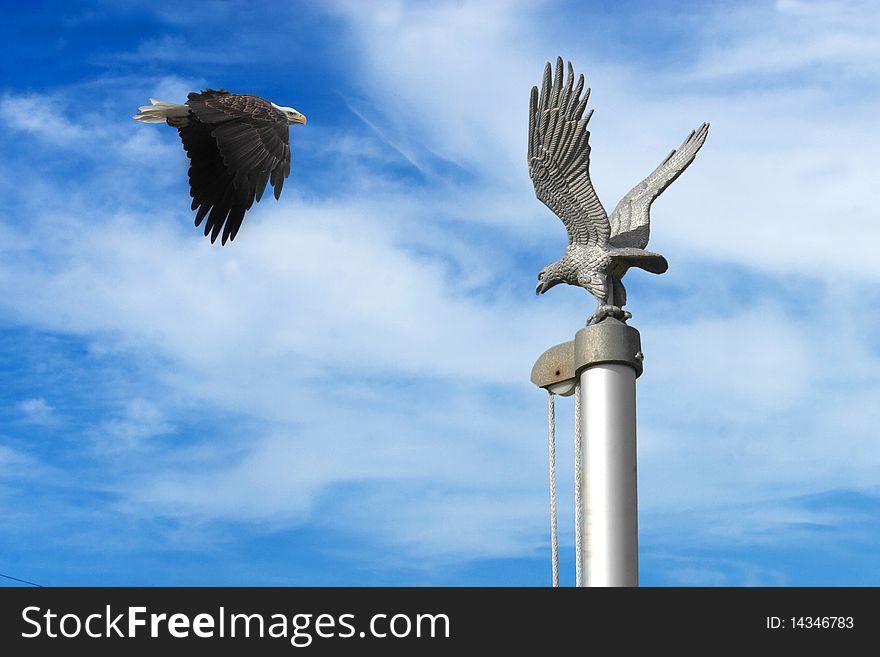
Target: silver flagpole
{"x": 608, "y": 359}
{"x": 605, "y": 359}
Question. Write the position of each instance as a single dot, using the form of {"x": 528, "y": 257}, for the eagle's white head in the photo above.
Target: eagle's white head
{"x": 292, "y": 115}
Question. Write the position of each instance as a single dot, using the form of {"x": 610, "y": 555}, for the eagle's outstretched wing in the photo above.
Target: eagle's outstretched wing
{"x": 559, "y": 157}
{"x": 249, "y": 146}
{"x": 630, "y": 221}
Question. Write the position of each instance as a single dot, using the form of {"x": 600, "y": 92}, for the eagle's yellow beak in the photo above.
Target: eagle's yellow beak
{"x": 298, "y": 118}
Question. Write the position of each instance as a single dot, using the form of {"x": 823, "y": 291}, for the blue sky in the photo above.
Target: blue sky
{"x": 341, "y": 396}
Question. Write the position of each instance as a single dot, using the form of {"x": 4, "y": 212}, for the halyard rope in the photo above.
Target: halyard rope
{"x": 578, "y": 491}
{"x": 554, "y": 545}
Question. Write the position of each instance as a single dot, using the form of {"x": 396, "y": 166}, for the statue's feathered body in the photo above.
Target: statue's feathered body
{"x": 600, "y": 249}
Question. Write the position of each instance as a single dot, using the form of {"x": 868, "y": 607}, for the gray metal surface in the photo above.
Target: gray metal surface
{"x": 608, "y": 476}
{"x": 601, "y": 249}
{"x": 554, "y": 369}
{"x": 610, "y": 341}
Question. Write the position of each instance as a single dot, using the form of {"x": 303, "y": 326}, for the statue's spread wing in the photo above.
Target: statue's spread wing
{"x": 559, "y": 157}
{"x": 630, "y": 221}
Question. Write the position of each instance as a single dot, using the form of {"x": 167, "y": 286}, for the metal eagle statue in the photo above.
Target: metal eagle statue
{"x": 237, "y": 144}
{"x": 600, "y": 248}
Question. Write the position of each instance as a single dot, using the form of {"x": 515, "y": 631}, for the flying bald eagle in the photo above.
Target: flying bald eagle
{"x": 600, "y": 248}
{"x": 236, "y": 143}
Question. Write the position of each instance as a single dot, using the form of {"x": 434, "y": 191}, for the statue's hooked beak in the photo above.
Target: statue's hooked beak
{"x": 541, "y": 287}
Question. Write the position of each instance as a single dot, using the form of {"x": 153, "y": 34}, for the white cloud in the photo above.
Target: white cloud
{"x": 13, "y": 461}
{"x": 791, "y": 36}
{"x": 140, "y": 421}
{"x": 174, "y": 89}
{"x": 449, "y": 74}
{"x": 43, "y": 116}
{"x": 707, "y": 572}
{"x": 37, "y": 410}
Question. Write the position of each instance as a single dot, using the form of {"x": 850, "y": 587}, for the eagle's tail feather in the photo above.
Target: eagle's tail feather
{"x": 160, "y": 111}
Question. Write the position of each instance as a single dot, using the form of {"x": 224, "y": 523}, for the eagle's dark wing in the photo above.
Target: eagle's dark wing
{"x": 251, "y": 147}
{"x": 559, "y": 157}
{"x": 210, "y": 182}
{"x": 631, "y": 221}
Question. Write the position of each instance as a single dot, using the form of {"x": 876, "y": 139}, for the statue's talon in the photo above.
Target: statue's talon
{"x": 608, "y": 311}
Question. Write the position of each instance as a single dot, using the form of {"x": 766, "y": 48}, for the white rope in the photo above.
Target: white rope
{"x": 554, "y": 545}
{"x": 578, "y": 491}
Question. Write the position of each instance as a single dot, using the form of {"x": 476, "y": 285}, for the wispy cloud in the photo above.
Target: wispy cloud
{"x": 37, "y": 411}
{"x": 174, "y": 48}
{"x": 810, "y": 39}
{"x": 43, "y": 116}
{"x": 140, "y": 421}
{"x": 12, "y": 461}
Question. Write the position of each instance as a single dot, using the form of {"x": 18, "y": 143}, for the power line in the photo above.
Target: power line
{"x": 23, "y": 581}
